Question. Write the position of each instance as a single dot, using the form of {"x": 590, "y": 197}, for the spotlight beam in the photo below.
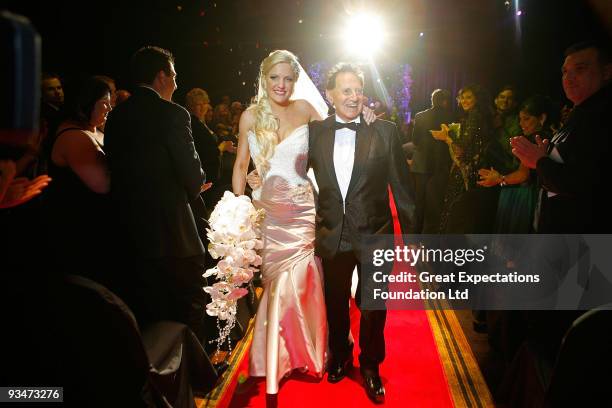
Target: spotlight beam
{"x": 363, "y": 35}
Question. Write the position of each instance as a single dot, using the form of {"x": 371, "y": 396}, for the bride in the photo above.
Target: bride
{"x": 290, "y": 327}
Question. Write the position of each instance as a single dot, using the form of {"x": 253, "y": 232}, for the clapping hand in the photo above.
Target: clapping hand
{"x": 21, "y": 190}
{"x": 529, "y": 153}
{"x": 488, "y": 178}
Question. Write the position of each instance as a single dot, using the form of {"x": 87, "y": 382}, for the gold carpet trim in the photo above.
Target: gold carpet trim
{"x": 218, "y": 396}
{"x": 465, "y": 381}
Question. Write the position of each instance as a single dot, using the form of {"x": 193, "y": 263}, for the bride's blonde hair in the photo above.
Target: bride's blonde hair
{"x": 266, "y": 124}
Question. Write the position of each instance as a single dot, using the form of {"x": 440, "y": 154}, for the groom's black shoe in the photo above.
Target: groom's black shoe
{"x": 374, "y": 387}
{"x": 337, "y": 371}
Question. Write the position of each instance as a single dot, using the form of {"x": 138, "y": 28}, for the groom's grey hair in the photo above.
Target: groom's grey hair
{"x": 343, "y": 67}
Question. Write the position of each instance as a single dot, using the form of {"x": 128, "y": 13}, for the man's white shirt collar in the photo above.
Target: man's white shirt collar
{"x": 356, "y": 120}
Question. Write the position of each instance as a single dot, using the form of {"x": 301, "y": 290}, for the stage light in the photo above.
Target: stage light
{"x": 519, "y": 13}
{"x": 421, "y": 34}
{"x": 364, "y": 35}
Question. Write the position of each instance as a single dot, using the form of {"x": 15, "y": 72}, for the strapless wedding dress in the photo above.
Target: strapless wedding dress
{"x": 290, "y": 327}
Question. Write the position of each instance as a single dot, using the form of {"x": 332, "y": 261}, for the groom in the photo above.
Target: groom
{"x": 354, "y": 163}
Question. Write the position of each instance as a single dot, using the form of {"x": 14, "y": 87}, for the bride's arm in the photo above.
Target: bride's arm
{"x": 241, "y": 165}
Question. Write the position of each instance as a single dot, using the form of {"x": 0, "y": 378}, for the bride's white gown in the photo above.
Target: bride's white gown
{"x": 291, "y": 326}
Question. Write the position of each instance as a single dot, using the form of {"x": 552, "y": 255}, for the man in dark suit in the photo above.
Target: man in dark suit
{"x": 430, "y": 163}
{"x": 573, "y": 173}
{"x": 354, "y": 163}
{"x": 573, "y": 166}
{"x": 156, "y": 172}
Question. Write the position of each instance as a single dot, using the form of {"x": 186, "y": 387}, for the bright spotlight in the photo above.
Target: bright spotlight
{"x": 364, "y": 35}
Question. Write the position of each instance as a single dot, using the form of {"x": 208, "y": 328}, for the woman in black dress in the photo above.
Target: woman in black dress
{"x": 79, "y": 218}
{"x": 467, "y": 147}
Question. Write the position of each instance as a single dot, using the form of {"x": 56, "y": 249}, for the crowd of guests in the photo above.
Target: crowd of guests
{"x": 519, "y": 165}
{"x": 466, "y": 178}
{"x": 105, "y": 205}
{"x": 514, "y": 165}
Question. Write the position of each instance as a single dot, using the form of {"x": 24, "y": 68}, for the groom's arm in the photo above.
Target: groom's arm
{"x": 399, "y": 180}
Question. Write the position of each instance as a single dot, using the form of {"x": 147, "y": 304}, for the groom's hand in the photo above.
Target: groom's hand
{"x": 368, "y": 115}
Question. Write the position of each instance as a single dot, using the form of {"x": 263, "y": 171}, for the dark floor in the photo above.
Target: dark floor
{"x": 490, "y": 362}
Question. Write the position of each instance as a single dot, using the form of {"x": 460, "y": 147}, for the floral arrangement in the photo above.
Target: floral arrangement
{"x": 454, "y": 131}
{"x": 234, "y": 236}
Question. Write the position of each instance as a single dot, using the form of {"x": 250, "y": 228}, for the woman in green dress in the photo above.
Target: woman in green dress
{"x": 518, "y": 196}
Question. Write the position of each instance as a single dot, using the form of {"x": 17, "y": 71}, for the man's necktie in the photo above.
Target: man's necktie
{"x": 350, "y": 125}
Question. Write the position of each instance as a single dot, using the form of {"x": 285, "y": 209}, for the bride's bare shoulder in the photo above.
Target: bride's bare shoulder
{"x": 247, "y": 119}
{"x": 247, "y": 122}
{"x": 302, "y": 105}
{"x": 305, "y": 109}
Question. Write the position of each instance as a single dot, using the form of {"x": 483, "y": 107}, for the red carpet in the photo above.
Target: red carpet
{"x": 412, "y": 372}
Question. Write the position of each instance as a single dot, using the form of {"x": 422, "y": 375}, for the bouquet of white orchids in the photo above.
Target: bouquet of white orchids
{"x": 234, "y": 236}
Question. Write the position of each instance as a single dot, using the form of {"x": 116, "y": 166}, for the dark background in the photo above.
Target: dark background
{"x": 218, "y": 44}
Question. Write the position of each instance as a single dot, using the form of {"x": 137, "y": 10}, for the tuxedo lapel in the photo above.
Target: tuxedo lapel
{"x": 362, "y": 149}
{"x": 327, "y": 146}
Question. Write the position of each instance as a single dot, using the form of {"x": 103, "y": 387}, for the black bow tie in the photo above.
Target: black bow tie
{"x": 350, "y": 125}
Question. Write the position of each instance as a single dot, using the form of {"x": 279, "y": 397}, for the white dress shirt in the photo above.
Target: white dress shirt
{"x": 344, "y": 156}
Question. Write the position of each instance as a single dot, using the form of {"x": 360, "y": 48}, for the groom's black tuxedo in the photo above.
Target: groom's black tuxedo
{"x": 378, "y": 163}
